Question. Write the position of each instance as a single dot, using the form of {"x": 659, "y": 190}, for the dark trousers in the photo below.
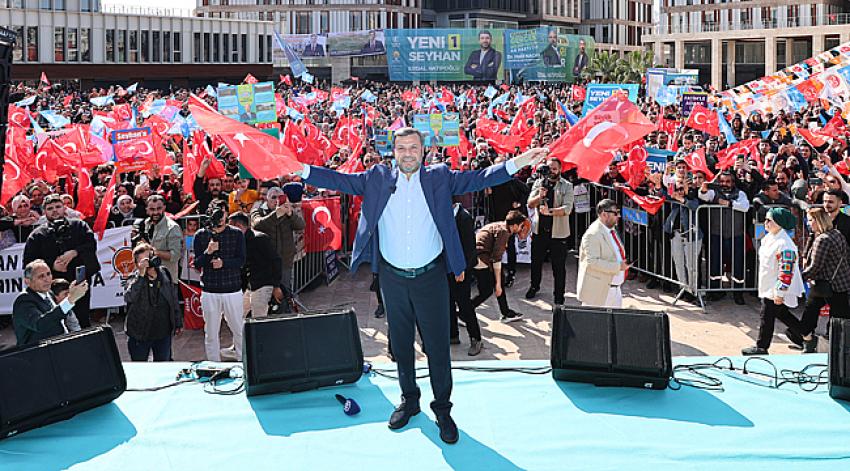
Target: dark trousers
{"x": 723, "y": 250}
{"x": 461, "y": 306}
{"x": 544, "y": 243}
{"x": 82, "y": 310}
{"x": 838, "y": 307}
{"x": 140, "y": 349}
{"x": 486, "y": 285}
{"x": 423, "y": 300}
{"x": 771, "y": 311}
{"x": 511, "y": 251}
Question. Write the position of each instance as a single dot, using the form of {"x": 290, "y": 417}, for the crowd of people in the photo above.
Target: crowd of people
{"x": 711, "y": 216}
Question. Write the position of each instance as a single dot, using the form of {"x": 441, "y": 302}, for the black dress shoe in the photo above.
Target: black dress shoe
{"x": 753, "y": 351}
{"x": 559, "y": 300}
{"x": 448, "y": 429}
{"x": 531, "y": 293}
{"x": 402, "y": 414}
{"x": 794, "y": 337}
{"x": 811, "y": 346}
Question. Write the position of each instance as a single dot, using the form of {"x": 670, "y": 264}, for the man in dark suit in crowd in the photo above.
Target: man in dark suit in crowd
{"x": 314, "y": 49}
{"x": 35, "y": 314}
{"x": 373, "y": 46}
{"x": 551, "y": 56}
{"x": 581, "y": 60}
{"x": 461, "y": 291}
{"x": 64, "y": 244}
{"x": 484, "y": 63}
{"x": 407, "y": 232}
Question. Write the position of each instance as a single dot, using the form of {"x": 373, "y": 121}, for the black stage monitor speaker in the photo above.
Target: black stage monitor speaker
{"x": 611, "y": 347}
{"x": 293, "y": 354}
{"x": 839, "y": 358}
{"x": 57, "y": 378}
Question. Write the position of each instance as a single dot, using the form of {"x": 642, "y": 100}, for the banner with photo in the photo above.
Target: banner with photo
{"x": 134, "y": 149}
{"x": 114, "y": 252}
{"x": 248, "y": 103}
{"x": 306, "y": 45}
{"x": 357, "y": 43}
{"x": 438, "y": 129}
{"x": 445, "y": 54}
{"x": 541, "y": 54}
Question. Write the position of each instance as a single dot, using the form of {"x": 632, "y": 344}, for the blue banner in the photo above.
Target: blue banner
{"x": 636, "y": 216}
{"x": 445, "y": 54}
{"x": 691, "y": 99}
{"x": 656, "y": 159}
{"x": 599, "y": 92}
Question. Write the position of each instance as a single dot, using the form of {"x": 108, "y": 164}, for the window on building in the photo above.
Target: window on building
{"x": 146, "y": 44}
{"x": 234, "y": 48}
{"x": 356, "y": 21}
{"x": 18, "y": 51}
{"x": 178, "y": 47}
{"x": 32, "y": 43}
{"x": 122, "y": 45}
{"x": 156, "y": 46}
{"x": 73, "y": 45}
{"x": 324, "y": 22}
{"x": 374, "y": 20}
{"x": 244, "y": 50}
{"x": 45, "y": 4}
{"x": 166, "y": 46}
{"x": 59, "y": 44}
{"x": 196, "y": 48}
{"x": 58, "y": 4}
{"x": 268, "y": 48}
{"x": 216, "y": 45}
{"x": 261, "y": 47}
{"x": 225, "y": 48}
{"x": 134, "y": 47}
{"x": 302, "y": 23}
{"x": 85, "y": 5}
{"x": 85, "y": 45}
{"x": 207, "y": 48}
{"x": 110, "y": 45}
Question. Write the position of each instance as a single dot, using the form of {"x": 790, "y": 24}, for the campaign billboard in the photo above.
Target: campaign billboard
{"x": 248, "y": 103}
{"x": 542, "y": 54}
{"x": 357, "y": 43}
{"x": 445, "y": 54}
{"x": 598, "y": 92}
{"x": 438, "y": 129}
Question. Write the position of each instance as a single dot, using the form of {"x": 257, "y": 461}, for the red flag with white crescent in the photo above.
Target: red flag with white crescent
{"x": 105, "y": 207}
{"x": 650, "y": 204}
{"x": 704, "y": 119}
{"x": 323, "y": 230}
{"x": 193, "y": 314}
{"x": 85, "y": 194}
{"x": 696, "y": 161}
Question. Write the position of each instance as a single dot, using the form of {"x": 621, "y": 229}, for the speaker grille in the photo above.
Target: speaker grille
{"x": 583, "y": 339}
{"x": 636, "y": 343}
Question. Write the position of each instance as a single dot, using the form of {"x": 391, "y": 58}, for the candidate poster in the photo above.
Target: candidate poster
{"x": 114, "y": 252}
{"x": 248, "y": 103}
{"x": 445, "y": 54}
{"x": 133, "y": 149}
{"x": 541, "y": 54}
{"x": 357, "y": 43}
{"x": 599, "y": 92}
{"x": 678, "y": 79}
{"x": 438, "y": 129}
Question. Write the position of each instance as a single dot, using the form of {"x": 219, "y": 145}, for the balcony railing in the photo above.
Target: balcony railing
{"x": 120, "y": 9}
{"x": 834, "y": 19}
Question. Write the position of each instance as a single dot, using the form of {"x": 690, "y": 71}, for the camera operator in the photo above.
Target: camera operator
{"x": 262, "y": 267}
{"x": 726, "y": 229}
{"x": 64, "y": 245}
{"x": 279, "y": 219}
{"x": 552, "y": 196}
{"x": 219, "y": 255}
{"x": 162, "y": 233}
{"x": 153, "y": 311}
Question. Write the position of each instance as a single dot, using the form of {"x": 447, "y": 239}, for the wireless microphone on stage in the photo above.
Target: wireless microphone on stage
{"x": 348, "y": 405}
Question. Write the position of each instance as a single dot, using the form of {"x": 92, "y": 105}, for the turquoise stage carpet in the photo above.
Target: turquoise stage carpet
{"x": 508, "y": 421}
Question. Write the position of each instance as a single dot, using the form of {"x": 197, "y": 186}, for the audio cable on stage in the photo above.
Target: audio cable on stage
{"x": 695, "y": 375}
{"x": 216, "y": 379}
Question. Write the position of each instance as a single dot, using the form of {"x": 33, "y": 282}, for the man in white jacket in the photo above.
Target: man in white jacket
{"x": 779, "y": 280}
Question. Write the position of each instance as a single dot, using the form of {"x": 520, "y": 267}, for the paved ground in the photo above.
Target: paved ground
{"x": 723, "y": 329}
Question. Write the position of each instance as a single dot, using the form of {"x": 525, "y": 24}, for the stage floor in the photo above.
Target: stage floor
{"x": 507, "y": 421}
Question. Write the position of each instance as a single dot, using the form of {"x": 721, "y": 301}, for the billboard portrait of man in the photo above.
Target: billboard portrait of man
{"x": 581, "y": 60}
{"x": 483, "y": 63}
{"x": 313, "y": 49}
{"x": 374, "y": 46}
{"x": 551, "y": 56}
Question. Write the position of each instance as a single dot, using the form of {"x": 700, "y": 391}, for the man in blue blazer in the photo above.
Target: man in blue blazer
{"x": 407, "y": 233}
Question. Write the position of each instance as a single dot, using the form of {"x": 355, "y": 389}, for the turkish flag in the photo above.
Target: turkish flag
{"x": 85, "y": 194}
{"x": 526, "y": 111}
{"x": 634, "y": 169}
{"x": 122, "y": 112}
{"x": 410, "y": 96}
{"x": 815, "y": 139}
{"x": 261, "y": 154}
{"x": 835, "y": 127}
{"x": 44, "y": 80}
{"x": 446, "y": 97}
{"x": 158, "y": 125}
{"x": 286, "y": 79}
{"x": 460, "y": 153}
{"x": 191, "y": 164}
{"x": 298, "y": 143}
{"x": 19, "y": 116}
{"x": 726, "y": 157}
{"x": 352, "y": 164}
{"x": 321, "y": 95}
{"x": 250, "y": 79}
{"x": 346, "y": 133}
{"x": 323, "y": 227}
{"x": 105, "y": 207}
{"x": 353, "y": 218}
{"x": 318, "y": 140}
{"x": 696, "y": 161}
{"x": 650, "y": 204}
{"x": 487, "y": 127}
{"x": 704, "y": 119}
{"x": 668, "y": 125}
{"x": 590, "y": 144}
{"x": 193, "y": 315}
{"x": 337, "y": 93}
{"x": 82, "y": 152}
{"x": 134, "y": 149}
{"x": 15, "y": 176}
{"x": 579, "y": 94}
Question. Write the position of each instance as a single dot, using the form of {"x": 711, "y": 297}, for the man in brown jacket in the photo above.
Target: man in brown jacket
{"x": 491, "y": 241}
{"x": 278, "y": 218}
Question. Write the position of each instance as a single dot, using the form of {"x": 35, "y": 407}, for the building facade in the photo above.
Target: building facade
{"x": 616, "y": 25}
{"x": 734, "y": 41}
{"x": 77, "y": 40}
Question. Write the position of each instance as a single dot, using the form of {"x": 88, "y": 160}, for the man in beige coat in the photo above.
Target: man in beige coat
{"x": 602, "y": 260}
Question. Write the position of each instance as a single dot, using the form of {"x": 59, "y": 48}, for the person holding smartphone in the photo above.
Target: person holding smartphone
{"x": 279, "y": 219}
